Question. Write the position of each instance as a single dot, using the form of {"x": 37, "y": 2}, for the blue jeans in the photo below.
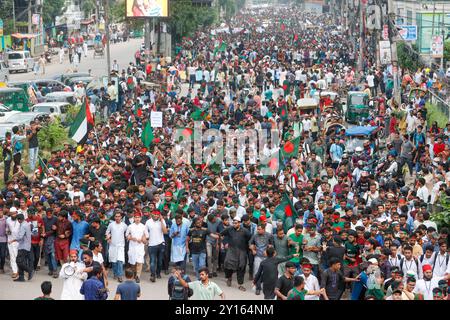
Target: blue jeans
{"x": 51, "y": 260}
{"x": 112, "y": 107}
{"x": 199, "y": 261}
{"x": 33, "y": 153}
{"x": 156, "y": 254}
{"x": 118, "y": 268}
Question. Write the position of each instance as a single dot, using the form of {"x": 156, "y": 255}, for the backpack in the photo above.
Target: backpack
{"x": 179, "y": 292}
{"x": 403, "y": 260}
{"x": 435, "y": 259}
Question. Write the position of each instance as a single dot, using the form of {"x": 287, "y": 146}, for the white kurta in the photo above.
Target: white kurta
{"x": 116, "y": 251}
{"x": 426, "y": 287}
{"x": 73, "y": 283}
{"x": 136, "y": 250}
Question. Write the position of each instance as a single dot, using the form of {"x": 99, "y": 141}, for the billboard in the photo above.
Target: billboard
{"x": 147, "y": 8}
{"x": 385, "y": 52}
{"x": 408, "y": 33}
{"x": 437, "y": 47}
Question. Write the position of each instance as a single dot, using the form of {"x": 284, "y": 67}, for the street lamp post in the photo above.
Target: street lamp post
{"x": 108, "y": 52}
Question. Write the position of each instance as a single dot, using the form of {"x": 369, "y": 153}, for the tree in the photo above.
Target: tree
{"x": 88, "y": 6}
{"x": 6, "y": 8}
{"x": 447, "y": 51}
{"x": 52, "y": 9}
{"x": 407, "y": 58}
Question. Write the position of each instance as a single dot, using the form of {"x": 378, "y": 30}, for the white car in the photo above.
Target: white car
{"x": 19, "y": 61}
{"x": 52, "y": 108}
{"x": 61, "y": 96}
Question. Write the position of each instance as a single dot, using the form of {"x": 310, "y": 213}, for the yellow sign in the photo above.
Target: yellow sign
{"x": 147, "y": 8}
{"x": 3, "y": 85}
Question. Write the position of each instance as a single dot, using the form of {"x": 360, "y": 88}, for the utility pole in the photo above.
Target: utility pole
{"x": 30, "y": 25}
{"x": 147, "y": 38}
{"x": 443, "y": 38}
{"x": 432, "y": 31}
{"x": 393, "y": 40}
{"x": 14, "y": 15}
{"x": 108, "y": 53}
{"x": 361, "y": 35}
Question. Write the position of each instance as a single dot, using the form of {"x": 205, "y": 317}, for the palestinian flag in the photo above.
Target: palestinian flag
{"x": 147, "y": 135}
{"x": 286, "y": 212}
{"x": 290, "y": 148}
{"x": 199, "y": 115}
{"x": 83, "y": 123}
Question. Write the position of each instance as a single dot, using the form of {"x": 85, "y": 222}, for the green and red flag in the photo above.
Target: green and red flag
{"x": 284, "y": 112}
{"x": 199, "y": 115}
{"x": 290, "y": 148}
{"x": 147, "y": 135}
{"x": 285, "y": 211}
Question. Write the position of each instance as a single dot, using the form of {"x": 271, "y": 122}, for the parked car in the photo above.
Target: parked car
{"x": 61, "y": 96}
{"x": 66, "y": 76}
{"x": 54, "y": 109}
{"x": 4, "y": 71}
{"x": 73, "y": 81}
{"x": 19, "y": 61}
{"x": 50, "y": 84}
{"x": 22, "y": 118}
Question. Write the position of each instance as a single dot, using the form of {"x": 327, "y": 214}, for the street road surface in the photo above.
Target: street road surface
{"x": 123, "y": 52}
{"x": 150, "y": 291}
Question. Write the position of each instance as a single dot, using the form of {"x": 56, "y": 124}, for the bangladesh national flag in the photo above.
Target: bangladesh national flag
{"x": 129, "y": 128}
{"x": 284, "y": 113}
{"x": 285, "y": 212}
{"x": 42, "y": 168}
{"x": 271, "y": 164}
{"x": 147, "y": 135}
{"x": 290, "y": 148}
{"x": 83, "y": 123}
{"x": 199, "y": 115}
{"x": 186, "y": 133}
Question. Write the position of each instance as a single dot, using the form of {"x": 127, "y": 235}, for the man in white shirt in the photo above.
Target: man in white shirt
{"x": 426, "y": 285}
{"x": 441, "y": 260}
{"x": 12, "y": 231}
{"x": 311, "y": 282}
{"x": 115, "y": 235}
{"x": 422, "y": 190}
{"x": 137, "y": 236}
{"x": 156, "y": 228}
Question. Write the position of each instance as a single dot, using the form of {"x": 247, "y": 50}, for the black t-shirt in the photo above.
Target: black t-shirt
{"x": 95, "y": 265}
{"x": 33, "y": 141}
{"x": 198, "y": 240}
{"x": 98, "y": 234}
{"x": 48, "y": 223}
{"x": 284, "y": 284}
{"x": 336, "y": 252}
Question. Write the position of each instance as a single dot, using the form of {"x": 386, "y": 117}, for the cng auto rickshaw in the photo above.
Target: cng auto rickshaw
{"x": 307, "y": 105}
{"x": 15, "y": 98}
{"x": 357, "y": 106}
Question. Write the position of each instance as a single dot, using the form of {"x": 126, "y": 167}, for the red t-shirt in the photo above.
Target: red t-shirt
{"x": 36, "y": 228}
{"x": 438, "y": 148}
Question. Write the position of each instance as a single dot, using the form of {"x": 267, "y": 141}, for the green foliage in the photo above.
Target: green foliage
{"x": 407, "y": 58}
{"x": 52, "y": 9}
{"x": 442, "y": 218}
{"x": 447, "y": 50}
{"x": 186, "y": 18}
{"x": 6, "y": 8}
{"x": 434, "y": 114}
{"x": 52, "y": 136}
{"x": 87, "y": 6}
{"x": 72, "y": 113}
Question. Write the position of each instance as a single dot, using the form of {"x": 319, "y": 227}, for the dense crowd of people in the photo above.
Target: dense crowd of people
{"x": 326, "y": 223}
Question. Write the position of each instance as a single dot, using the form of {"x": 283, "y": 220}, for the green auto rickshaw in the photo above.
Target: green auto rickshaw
{"x": 357, "y": 106}
{"x": 15, "y": 98}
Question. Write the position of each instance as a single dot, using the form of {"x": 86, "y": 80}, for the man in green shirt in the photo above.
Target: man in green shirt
{"x": 203, "y": 289}
{"x": 298, "y": 292}
{"x": 312, "y": 247}
{"x": 295, "y": 243}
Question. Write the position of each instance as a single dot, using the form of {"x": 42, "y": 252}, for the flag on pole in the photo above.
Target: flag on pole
{"x": 147, "y": 135}
{"x": 286, "y": 212}
{"x": 220, "y": 46}
{"x": 290, "y": 148}
{"x": 83, "y": 123}
{"x": 199, "y": 115}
